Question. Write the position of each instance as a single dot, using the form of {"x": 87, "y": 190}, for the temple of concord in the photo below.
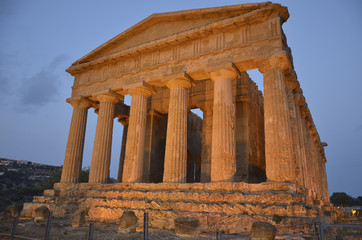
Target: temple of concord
{"x": 251, "y": 155}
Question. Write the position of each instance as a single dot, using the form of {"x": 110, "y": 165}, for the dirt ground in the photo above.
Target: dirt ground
{"x": 62, "y": 229}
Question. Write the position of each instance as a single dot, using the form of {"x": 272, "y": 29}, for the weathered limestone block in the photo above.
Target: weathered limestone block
{"x": 78, "y": 218}
{"x": 40, "y": 213}
{"x": 128, "y": 222}
{"x": 12, "y": 210}
{"x": 263, "y": 231}
{"x": 187, "y": 227}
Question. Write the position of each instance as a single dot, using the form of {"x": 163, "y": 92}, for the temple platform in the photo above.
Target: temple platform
{"x": 231, "y": 207}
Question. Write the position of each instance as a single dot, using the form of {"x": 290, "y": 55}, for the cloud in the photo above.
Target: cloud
{"x": 4, "y": 84}
{"x": 7, "y": 83}
{"x": 43, "y": 86}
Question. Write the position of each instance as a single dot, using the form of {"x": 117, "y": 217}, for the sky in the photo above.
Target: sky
{"x": 39, "y": 39}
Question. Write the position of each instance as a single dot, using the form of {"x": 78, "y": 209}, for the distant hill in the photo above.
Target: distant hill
{"x": 21, "y": 180}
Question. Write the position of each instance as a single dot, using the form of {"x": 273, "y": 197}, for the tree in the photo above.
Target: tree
{"x": 84, "y": 175}
{"x": 343, "y": 199}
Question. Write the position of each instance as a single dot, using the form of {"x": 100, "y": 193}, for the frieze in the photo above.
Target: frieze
{"x": 242, "y": 36}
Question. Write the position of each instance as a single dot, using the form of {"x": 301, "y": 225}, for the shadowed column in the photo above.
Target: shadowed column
{"x": 74, "y": 152}
{"x": 223, "y": 160}
{"x": 206, "y": 142}
{"x": 101, "y": 157}
{"x": 278, "y": 155}
{"x": 176, "y": 140}
{"x": 133, "y": 163}
{"x": 124, "y": 122}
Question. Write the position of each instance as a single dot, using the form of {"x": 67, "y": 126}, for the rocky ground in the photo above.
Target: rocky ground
{"x": 62, "y": 229}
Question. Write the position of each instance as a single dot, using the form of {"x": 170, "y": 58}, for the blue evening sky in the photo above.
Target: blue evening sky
{"x": 39, "y": 39}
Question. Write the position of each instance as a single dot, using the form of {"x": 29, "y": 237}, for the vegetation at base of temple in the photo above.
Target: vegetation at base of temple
{"x": 342, "y": 199}
{"x": 21, "y": 180}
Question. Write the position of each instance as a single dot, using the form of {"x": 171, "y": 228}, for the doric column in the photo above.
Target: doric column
{"x": 206, "y": 142}
{"x": 74, "y": 152}
{"x": 242, "y": 141}
{"x": 223, "y": 163}
{"x": 278, "y": 155}
{"x": 154, "y": 147}
{"x": 291, "y": 85}
{"x": 175, "y": 169}
{"x": 101, "y": 157}
{"x": 133, "y": 163}
{"x": 299, "y": 102}
{"x": 308, "y": 168}
{"x": 325, "y": 183}
{"x": 124, "y": 122}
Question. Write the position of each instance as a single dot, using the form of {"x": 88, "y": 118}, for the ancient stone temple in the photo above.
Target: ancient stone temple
{"x": 251, "y": 156}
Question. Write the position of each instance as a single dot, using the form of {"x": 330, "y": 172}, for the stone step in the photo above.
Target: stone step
{"x": 263, "y": 198}
{"x": 198, "y": 187}
{"x": 190, "y": 206}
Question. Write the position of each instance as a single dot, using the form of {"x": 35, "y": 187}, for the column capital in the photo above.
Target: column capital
{"x": 207, "y": 107}
{"x": 141, "y": 90}
{"x": 223, "y": 73}
{"x": 277, "y": 60}
{"x": 80, "y": 102}
{"x": 107, "y": 95}
{"x": 292, "y": 83}
{"x": 124, "y": 121}
{"x": 304, "y": 110}
{"x": 107, "y": 98}
{"x": 299, "y": 98}
{"x": 179, "y": 82}
{"x": 154, "y": 113}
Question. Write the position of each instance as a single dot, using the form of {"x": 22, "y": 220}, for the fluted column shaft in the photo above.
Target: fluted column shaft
{"x": 278, "y": 155}
{"x": 325, "y": 183}
{"x": 303, "y": 158}
{"x": 223, "y": 159}
{"x": 308, "y": 176}
{"x": 123, "y": 150}
{"x": 101, "y": 156}
{"x": 206, "y": 143}
{"x": 133, "y": 164}
{"x": 74, "y": 152}
{"x": 175, "y": 166}
{"x": 295, "y": 135}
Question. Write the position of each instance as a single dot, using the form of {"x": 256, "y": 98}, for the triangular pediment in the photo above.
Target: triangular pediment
{"x": 161, "y": 25}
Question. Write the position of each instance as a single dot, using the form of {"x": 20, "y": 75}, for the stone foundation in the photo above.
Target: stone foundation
{"x": 231, "y": 207}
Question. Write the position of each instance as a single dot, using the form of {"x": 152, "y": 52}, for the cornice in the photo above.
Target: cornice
{"x": 254, "y": 16}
